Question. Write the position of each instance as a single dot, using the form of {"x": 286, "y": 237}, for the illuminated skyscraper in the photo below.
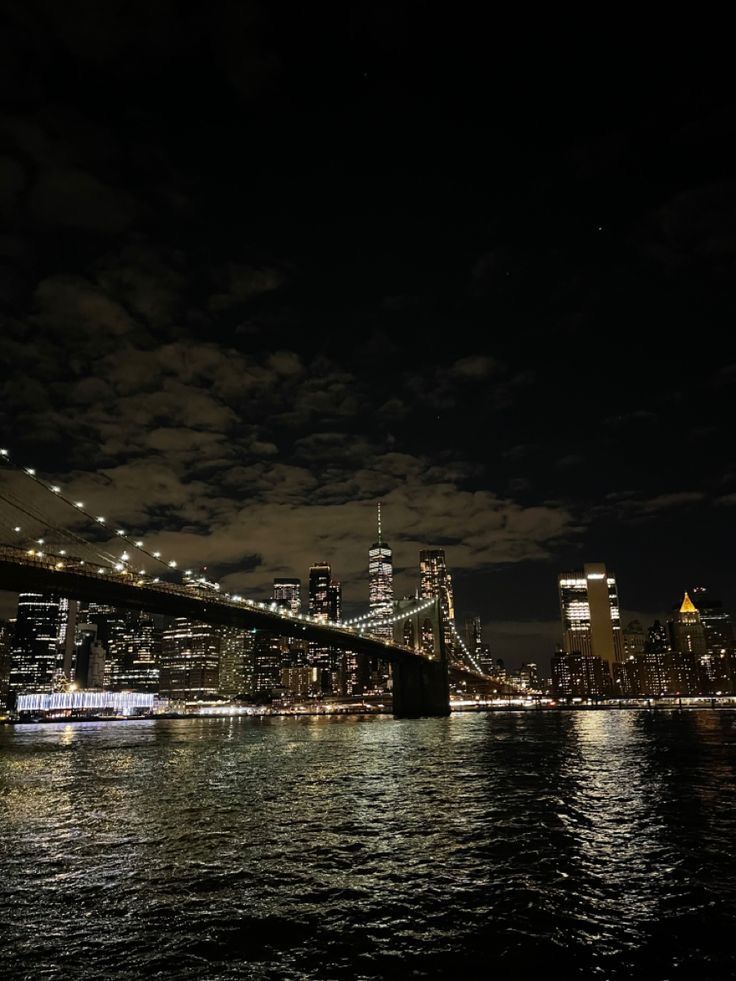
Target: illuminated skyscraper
{"x": 190, "y": 660}
{"x": 319, "y": 590}
{"x": 381, "y": 582}
{"x": 293, "y": 650}
{"x": 36, "y": 649}
{"x": 132, "y": 663}
{"x": 717, "y": 665}
{"x": 686, "y": 630}
{"x": 6, "y": 637}
{"x": 287, "y": 594}
{"x": 474, "y": 639}
{"x": 323, "y": 605}
{"x": 435, "y": 580}
{"x": 591, "y": 622}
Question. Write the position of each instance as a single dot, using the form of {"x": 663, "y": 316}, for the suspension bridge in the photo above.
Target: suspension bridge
{"x": 89, "y": 559}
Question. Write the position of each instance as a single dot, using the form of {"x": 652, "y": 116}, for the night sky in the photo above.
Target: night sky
{"x": 262, "y": 267}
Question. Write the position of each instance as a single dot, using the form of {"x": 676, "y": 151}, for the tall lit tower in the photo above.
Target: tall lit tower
{"x": 435, "y": 580}
{"x": 36, "y": 650}
{"x": 323, "y": 603}
{"x": 320, "y": 575}
{"x": 287, "y": 594}
{"x": 591, "y": 621}
{"x": 381, "y": 581}
{"x": 687, "y": 631}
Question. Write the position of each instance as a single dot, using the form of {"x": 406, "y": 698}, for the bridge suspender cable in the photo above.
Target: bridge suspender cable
{"x": 79, "y": 507}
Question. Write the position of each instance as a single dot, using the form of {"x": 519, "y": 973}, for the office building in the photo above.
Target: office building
{"x": 190, "y": 661}
{"x": 233, "y": 671}
{"x": 634, "y": 639}
{"x": 436, "y": 581}
{"x": 717, "y": 664}
{"x": 591, "y": 622}
{"x": 37, "y": 653}
{"x": 6, "y": 637}
{"x": 287, "y": 594}
{"x": 381, "y": 582}
{"x": 577, "y": 675}
{"x": 325, "y": 604}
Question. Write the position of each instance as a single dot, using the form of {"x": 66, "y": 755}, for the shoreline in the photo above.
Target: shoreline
{"x": 706, "y": 704}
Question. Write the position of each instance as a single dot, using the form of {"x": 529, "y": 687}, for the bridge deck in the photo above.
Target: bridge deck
{"x": 70, "y": 577}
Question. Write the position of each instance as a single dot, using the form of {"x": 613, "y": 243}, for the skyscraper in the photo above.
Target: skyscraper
{"x": 474, "y": 639}
{"x": 111, "y": 631}
{"x": 133, "y": 663}
{"x": 381, "y": 582}
{"x": 322, "y": 601}
{"x": 287, "y": 594}
{"x": 717, "y": 665}
{"x": 591, "y": 622}
{"x": 319, "y": 590}
{"x": 686, "y": 629}
{"x": 6, "y": 636}
{"x": 190, "y": 660}
{"x": 687, "y": 637}
{"x": 36, "y": 650}
{"x": 436, "y": 581}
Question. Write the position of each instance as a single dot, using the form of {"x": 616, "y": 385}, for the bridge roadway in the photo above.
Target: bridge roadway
{"x": 21, "y": 572}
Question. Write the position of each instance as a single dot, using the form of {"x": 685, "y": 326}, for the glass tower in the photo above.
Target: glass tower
{"x": 381, "y": 582}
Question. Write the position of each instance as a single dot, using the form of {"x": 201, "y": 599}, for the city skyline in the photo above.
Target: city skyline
{"x": 532, "y": 642}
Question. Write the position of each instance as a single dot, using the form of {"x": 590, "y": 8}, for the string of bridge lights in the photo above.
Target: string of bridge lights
{"x": 387, "y": 621}
{"x": 461, "y": 642}
{"x": 135, "y": 543}
{"x": 123, "y": 563}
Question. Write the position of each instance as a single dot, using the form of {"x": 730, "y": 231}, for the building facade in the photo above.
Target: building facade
{"x": 436, "y": 581}
{"x": 37, "y": 652}
{"x": 190, "y": 661}
{"x": 589, "y": 609}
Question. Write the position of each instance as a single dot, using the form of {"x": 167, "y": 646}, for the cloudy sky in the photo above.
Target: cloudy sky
{"x": 261, "y": 269}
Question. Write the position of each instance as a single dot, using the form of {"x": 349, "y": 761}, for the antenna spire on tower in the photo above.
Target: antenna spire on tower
{"x": 379, "y": 522}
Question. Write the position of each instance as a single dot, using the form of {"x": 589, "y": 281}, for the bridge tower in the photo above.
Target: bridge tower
{"x": 420, "y": 686}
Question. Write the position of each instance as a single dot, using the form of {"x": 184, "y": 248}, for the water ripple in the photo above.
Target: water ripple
{"x": 594, "y": 844}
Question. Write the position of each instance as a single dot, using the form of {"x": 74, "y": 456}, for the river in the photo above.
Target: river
{"x": 513, "y": 844}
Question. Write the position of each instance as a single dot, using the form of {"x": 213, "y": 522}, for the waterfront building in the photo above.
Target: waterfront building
{"x": 589, "y": 609}
{"x": 73, "y": 702}
{"x": 6, "y": 636}
{"x": 190, "y": 661}
{"x": 37, "y": 654}
{"x": 300, "y": 682}
{"x": 579, "y": 675}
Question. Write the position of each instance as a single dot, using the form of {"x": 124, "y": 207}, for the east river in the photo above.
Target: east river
{"x": 597, "y": 844}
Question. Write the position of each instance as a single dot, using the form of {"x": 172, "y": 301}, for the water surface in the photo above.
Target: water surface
{"x": 596, "y": 844}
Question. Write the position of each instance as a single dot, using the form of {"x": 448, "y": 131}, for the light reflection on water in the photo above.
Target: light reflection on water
{"x": 600, "y": 844}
